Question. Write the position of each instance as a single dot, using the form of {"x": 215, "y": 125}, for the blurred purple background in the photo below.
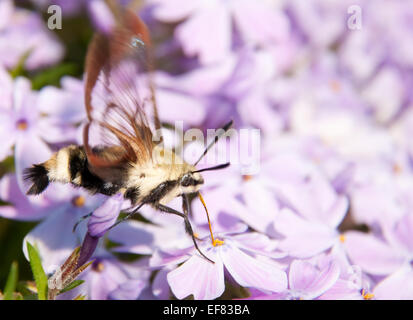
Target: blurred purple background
{"x": 329, "y": 85}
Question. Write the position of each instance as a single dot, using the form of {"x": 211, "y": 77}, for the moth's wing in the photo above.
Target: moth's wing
{"x": 118, "y": 89}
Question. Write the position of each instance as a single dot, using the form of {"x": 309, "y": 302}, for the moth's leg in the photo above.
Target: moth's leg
{"x": 129, "y": 215}
{"x": 185, "y": 204}
{"x": 186, "y": 209}
{"x": 188, "y": 226}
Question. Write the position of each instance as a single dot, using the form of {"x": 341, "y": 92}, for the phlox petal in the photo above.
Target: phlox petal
{"x": 250, "y": 272}
{"x": 397, "y": 286}
{"x": 303, "y": 238}
{"x": 342, "y": 290}
{"x": 203, "y": 279}
{"x": 21, "y": 207}
{"x": 173, "y": 10}
{"x": 260, "y": 23}
{"x": 305, "y": 277}
{"x": 129, "y": 290}
{"x": 54, "y": 239}
{"x": 176, "y": 106}
{"x": 105, "y": 216}
{"x": 371, "y": 254}
{"x": 193, "y": 34}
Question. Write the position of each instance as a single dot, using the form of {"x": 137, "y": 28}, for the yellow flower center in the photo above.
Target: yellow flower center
{"x": 342, "y": 238}
{"x": 397, "y": 169}
{"x": 247, "y": 177}
{"x": 366, "y": 295}
{"x": 79, "y": 201}
{"x": 21, "y": 125}
{"x": 217, "y": 242}
{"x": 335, "y": 85}
{"x": 98, "y": 267}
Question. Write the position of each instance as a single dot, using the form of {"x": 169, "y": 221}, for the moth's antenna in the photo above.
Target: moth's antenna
{"x": 225, "y": 129}
{"x": 220, "y": 166}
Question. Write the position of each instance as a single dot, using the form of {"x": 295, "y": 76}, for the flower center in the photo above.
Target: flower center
{"x": 342, "y": 238}
{"x": 246, "y": 177}
{"x": 335, "y": 85}
{"x": 78, "y": 201}
{"x": 217, "y": 242}
{"x": 98, "y": 266}
{"x": 366, "y": 295}
{"x": 397, "y": 169}
{"x": 21, "y": 125}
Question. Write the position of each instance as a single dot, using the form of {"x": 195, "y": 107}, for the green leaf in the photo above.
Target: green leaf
{"x": 52, "y": 75}
{"x": 19, "y": 68}
{"x": 38, "y": 273}
{"x": 11, "y": 282}
{"x": 73, "y": 285}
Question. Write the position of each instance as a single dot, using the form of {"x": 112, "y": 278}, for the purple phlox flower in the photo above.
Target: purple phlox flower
{"x": 239, "y": 254}
{"x": 64, "y": 105}
{"x": 352, "y": 283}
{"x": 24, "y": 126}
{"x": 100, "y": 222}
{"x": 200, "y": 81}
{"x": 401, "y": 131}
{"x": 236, "y": 88}
{"x": 105, "y": 216}
{"x": 21, "y": 207}
{"x": 362, "y": 54}
{"x": 304, "y": 238}
{"x": 311, "y": 18}
{"x": 327, "y": 87}
{"x": 258, "y": 23}
{"x": 54, "y": 236}
{"x": 381, "y": 189}
{"x": 24, "y": 32}
{"x": 110, "y": 279}
{"x": 338, "y": 170}
{"x": 390, "y": 256}
{"x": 300, "y": 184}
{"x": 348, "y": 133}
{"x": 174, "y": 103}
{"x": 312, "y": 210}
{"x": 385, "y": 93}
{"x": 316, "y": 278}
{"x": 101, "y": 15}
{"x": 307, "y": 281}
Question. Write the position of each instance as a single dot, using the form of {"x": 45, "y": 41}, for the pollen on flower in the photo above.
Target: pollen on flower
{"x": 366, "y": 295}
{"x": 342, "y": 238}
{"x": 217, "y": 242}
{"x": 397, "y": 169}
{"x": 335, "y": 85}
{"x": 21, "y": 125}
{"x": 247, "y": 177}
{"x": 98, "y": 266}
{"x": 78, "y": 201}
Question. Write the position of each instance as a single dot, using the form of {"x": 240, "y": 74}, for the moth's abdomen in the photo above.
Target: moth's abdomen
{"x": 37, "y": 174}
{"x": 64, "y": 166}
{"x": 68, "y": 165}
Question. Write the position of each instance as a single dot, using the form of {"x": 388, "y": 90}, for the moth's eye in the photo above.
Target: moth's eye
{"x": 137, "y": 42}
{"x": 186, "y": 180}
